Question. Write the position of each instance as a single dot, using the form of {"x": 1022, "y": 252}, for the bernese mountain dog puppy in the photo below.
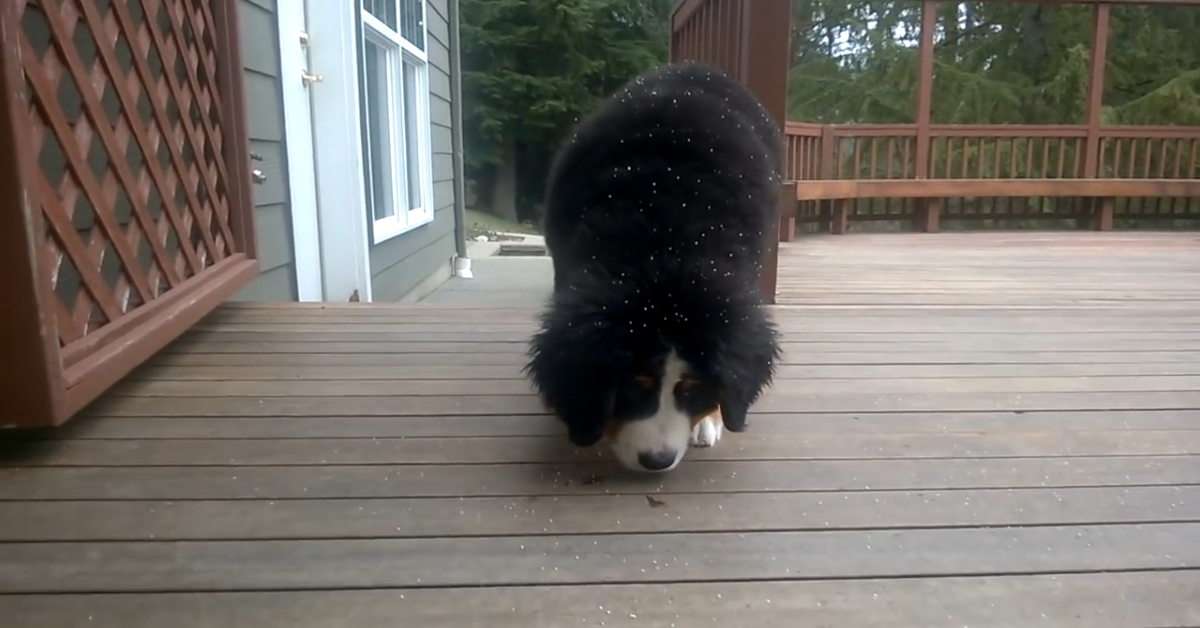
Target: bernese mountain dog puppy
{"x": 656, "y": 336}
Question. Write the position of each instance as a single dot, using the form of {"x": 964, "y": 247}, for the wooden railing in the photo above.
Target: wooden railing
{"x": 990, "y": 151}
{"x": 124, "y": 165}
{"x": 709, "y": 31}
{"x": 993, "y": 152}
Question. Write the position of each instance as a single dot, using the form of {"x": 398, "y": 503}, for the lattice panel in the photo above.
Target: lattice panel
{"x": 125, "y": 115}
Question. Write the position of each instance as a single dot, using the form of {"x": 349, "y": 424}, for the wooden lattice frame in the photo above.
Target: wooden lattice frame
{"x": 135, "y": 175}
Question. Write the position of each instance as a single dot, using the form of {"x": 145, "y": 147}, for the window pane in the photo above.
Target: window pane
{"x": 385, "y": 10}
{"x": 376, "y": 132}
{"x": 412, "y": 136}
{"x": 412, "y": 22}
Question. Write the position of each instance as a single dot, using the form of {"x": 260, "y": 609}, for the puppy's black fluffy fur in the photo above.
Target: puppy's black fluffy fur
{"x": 655, "y": 217}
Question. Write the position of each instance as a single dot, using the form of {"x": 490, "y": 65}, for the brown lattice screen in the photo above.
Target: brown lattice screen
{"x": 125, "y": 118}
{"x": 124, "y": 154}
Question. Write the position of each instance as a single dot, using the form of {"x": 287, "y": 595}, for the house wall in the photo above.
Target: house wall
{"x": 264, "y": 111}
{"x": 411, "y": 264}
{"x": 404, "y": 267}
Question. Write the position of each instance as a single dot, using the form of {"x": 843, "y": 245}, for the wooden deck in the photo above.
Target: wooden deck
{"x": 968, "y": 430}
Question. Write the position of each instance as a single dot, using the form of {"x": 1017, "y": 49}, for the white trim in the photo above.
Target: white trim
{"x": 423, "y": 215}
{"x": 297, "y": 125}
{"x": 394, "y": 36}
{"x": 426, "y": 117}
{"x": 333, "y": 53}
{"x": 393, "y": 141}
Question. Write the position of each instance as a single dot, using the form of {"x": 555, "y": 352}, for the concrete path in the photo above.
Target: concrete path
{"x": 499, "y": 279}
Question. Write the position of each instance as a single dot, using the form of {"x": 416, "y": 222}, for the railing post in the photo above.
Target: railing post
{"x": 673, "y": 25}
{"x": 927, "y": 208}
{"x": 1098, "y": 212}
{"x": 833, "y": 213}
{"x": 763, "y": 69}
{"x": 1095, "y": 102}
{"x": 924, "y": 97}
{"x": 769, "y": 280}
{"x": 763, "y": 59}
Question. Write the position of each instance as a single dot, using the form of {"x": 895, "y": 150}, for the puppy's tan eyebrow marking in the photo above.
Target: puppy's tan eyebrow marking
{"x": 688, "y": 382}
{"x": 645, "y": 382}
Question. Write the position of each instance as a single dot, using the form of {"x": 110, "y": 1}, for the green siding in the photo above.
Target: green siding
{"x": 264, "y": 117}
{"x": 398, "y": 265}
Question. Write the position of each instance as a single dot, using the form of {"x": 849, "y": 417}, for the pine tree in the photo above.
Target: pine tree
{"x": 531, "y": 68}
{"x": 995, "y": 63}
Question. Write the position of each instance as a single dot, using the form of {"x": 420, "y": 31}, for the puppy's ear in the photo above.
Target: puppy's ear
{"x": 573, "y": 365}
{"x": 746, "y": 365}
{"x": 581, "y": 398}
{"x": 586, "y": 422}
{"x": 734, "y": 408}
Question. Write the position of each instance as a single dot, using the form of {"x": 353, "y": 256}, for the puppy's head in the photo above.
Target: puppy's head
{"x": 639, "y": 369}
{"x": 658, "y": 404}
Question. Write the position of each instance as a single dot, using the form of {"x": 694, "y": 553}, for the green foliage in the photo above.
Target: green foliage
{"x": 994, "y": 63}
{"x": 531, "y": 68}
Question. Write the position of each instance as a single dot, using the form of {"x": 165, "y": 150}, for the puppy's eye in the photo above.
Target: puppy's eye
{"x": 687, "y": 384}
{"x": 643, "y": 382}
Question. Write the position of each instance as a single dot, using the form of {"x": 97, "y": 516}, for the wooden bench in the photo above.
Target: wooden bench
{"x": 931, "y": 193}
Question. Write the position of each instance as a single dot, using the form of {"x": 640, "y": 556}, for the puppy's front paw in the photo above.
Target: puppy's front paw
{"x": 707, "y": 432}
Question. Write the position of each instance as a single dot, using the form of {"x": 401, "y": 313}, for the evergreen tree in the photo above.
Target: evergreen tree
{"x": 995, "y": 63}
{"x": 531, "y": 68}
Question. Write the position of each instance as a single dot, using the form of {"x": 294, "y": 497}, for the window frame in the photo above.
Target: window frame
{"x": 398, "y": 147}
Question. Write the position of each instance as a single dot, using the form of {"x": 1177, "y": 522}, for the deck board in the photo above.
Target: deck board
{"x": 1104, "y": 600}
{"x": 967, "y": 429}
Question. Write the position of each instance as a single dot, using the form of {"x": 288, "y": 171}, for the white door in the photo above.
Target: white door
{"x": 297, "y": 124}
{"x": 318, "y": 40}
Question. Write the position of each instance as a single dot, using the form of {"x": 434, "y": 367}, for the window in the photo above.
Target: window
{"x": 395, "y": 93}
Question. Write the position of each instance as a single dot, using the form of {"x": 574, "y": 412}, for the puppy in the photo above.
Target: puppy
{"x": 656, "y": 337}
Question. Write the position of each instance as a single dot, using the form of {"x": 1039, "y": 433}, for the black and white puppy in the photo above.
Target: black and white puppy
{"x": 656, "y": 336}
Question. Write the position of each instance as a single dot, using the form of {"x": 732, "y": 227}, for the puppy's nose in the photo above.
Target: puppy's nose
{"x": 657, "y": 460}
